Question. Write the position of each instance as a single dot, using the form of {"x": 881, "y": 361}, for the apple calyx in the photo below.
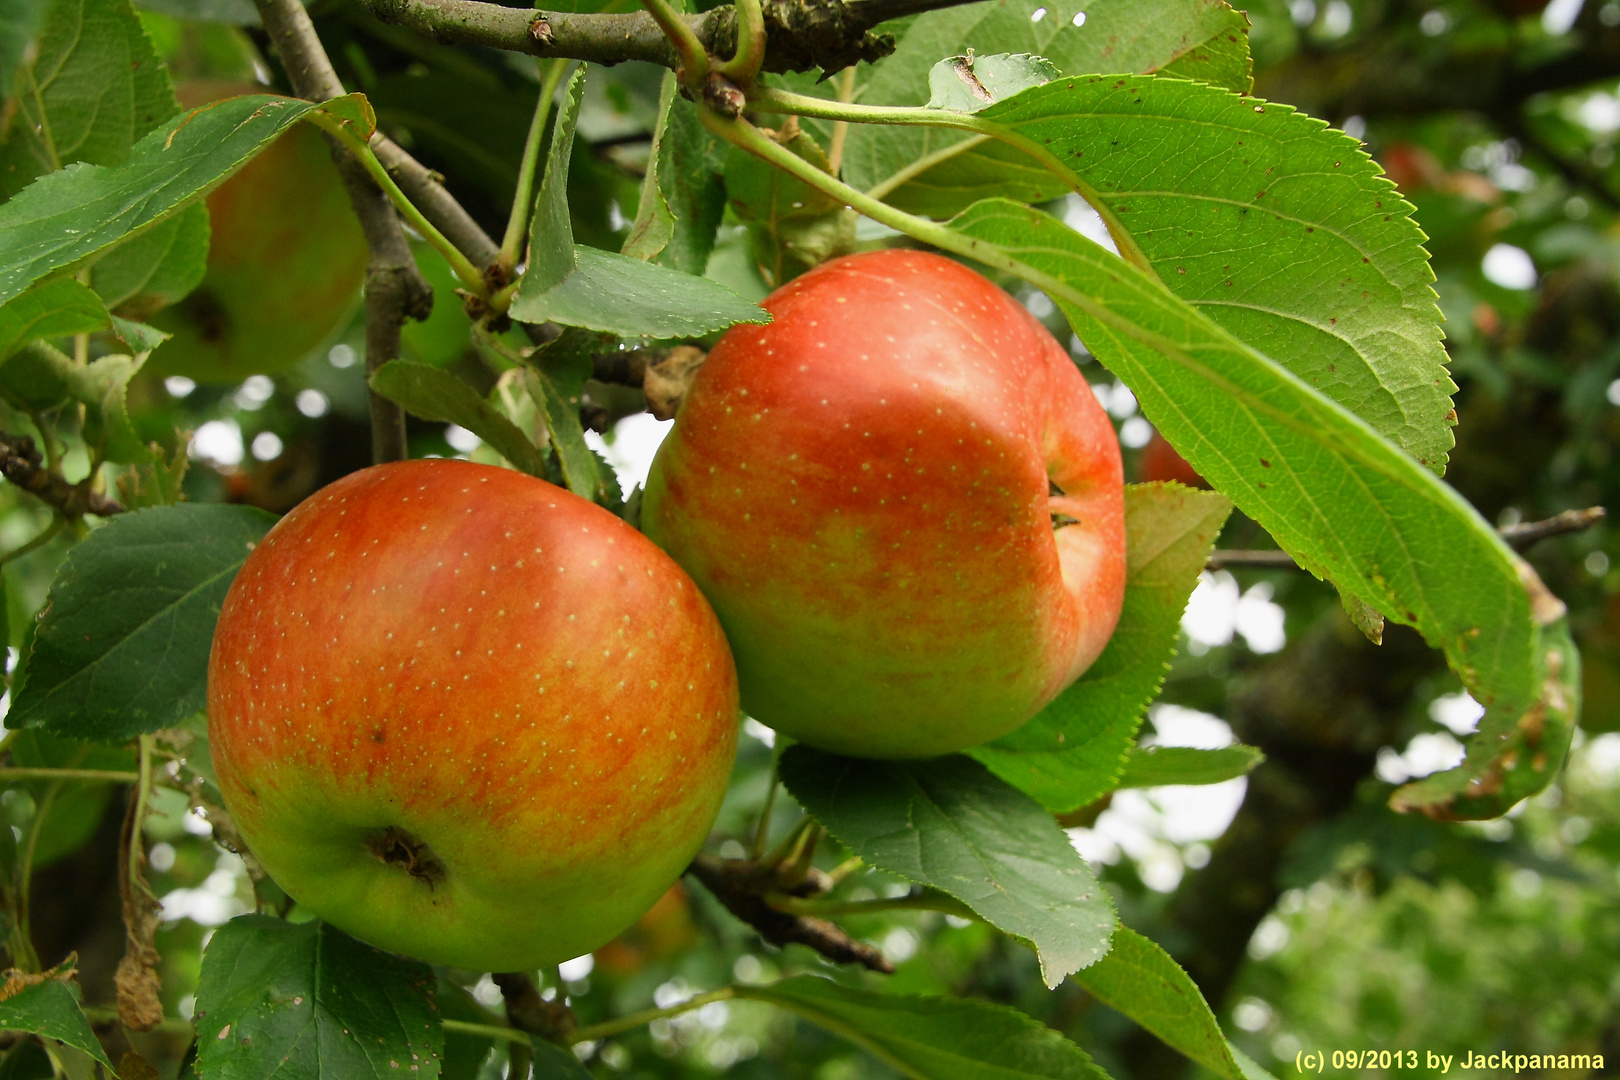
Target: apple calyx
{"x": 393, "y": 846}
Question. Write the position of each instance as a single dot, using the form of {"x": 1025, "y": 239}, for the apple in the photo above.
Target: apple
{"x": 904, "y": 503}
{"x": 1161, "y": 461}
{"x": 286, "y": 259}
{"x": 468, "y": 716}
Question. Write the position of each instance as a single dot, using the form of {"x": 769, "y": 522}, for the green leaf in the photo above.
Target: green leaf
{"x": 970, "y": 84}
{"x": 950, "y": 824}
{"x": 1071, "y": 753}
{"x": 551, "y": 229}
{"x": 606, "y": 291}
{"x": 932, "y": 1038}
{"x": 103, "y": 387}
{"x": 156, "y": 482}
{"x": 683, "y": 196}
{"x": 36, "y": 375}
{"x": 50, "y": 1008}
{"x": 1140, "y": 980}
{"x": 30, "y": 379}
{"x": 620, "y": 295}
{"x": 1222, "y": 57}
{"x": 1343, "y": 502}
{"x": 53, "y": 309}
{"x": 552, "y": 1062}
{"x": 306, "y": 1000}
{"x": 43, "y": 374}
{"x": 581, "y": 470}
{"x": 226, "y": 12}
{"x": 1278, "y": 228}
{"x": 654, "y": 226}
{"x": 69, "y": 217}
{"x": 97, "y": 86}
{"x": 121, "y": 647}
{"x": 1137, "y": 36}
{"x": 139, "y": 336}
{"x": 464, "y": 1054}
{"x": 156, "y": 268}
{"x": 435, "y": 394}
{"x": 690, "y": 164}
{"x": 1157, "y": 766}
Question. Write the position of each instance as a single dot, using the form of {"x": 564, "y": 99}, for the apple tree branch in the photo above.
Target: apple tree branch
{"x": 395, "y": 289}
{"x": 800, "y": 35}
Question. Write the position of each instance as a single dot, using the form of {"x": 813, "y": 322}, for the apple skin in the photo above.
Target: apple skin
{"x": 286, "y": 259}
{"x": 468, "y": 716}
{"x": 863, "y": 489}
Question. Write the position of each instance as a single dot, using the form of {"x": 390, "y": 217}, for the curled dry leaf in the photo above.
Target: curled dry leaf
{"x": 666, "y": 381}
{"x": 140, "y": 990}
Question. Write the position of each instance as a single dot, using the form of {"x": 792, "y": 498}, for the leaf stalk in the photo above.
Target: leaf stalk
{"x": 744, "y": 65}
{"x": 694, "y": 69}
{"x": 517, "y": 225}
{"x": 465, "y": 270}
{"x": 782, "y": 101}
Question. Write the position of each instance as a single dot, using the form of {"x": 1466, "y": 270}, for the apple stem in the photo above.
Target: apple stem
{"x": 791, "y": 844}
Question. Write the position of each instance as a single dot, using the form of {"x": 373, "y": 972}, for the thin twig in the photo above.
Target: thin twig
{"x": 1523, "y": 535}
{"x": 742, "y": 886}
{"x": 395, "y": 288}
{"x": 1519, "y": 537}
{"x": 21, "y": 463}
{"x": 840, "y": 128}
{"x": 634, "y": 1020}
{"x": 917, "y": 900}
{"x": 487, "y": 1031}
{"x": 1261, "y": 560}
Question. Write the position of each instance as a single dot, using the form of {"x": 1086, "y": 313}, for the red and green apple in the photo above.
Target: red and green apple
{"x": 904, "y": 503}
{"x": 467, "y": 716}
